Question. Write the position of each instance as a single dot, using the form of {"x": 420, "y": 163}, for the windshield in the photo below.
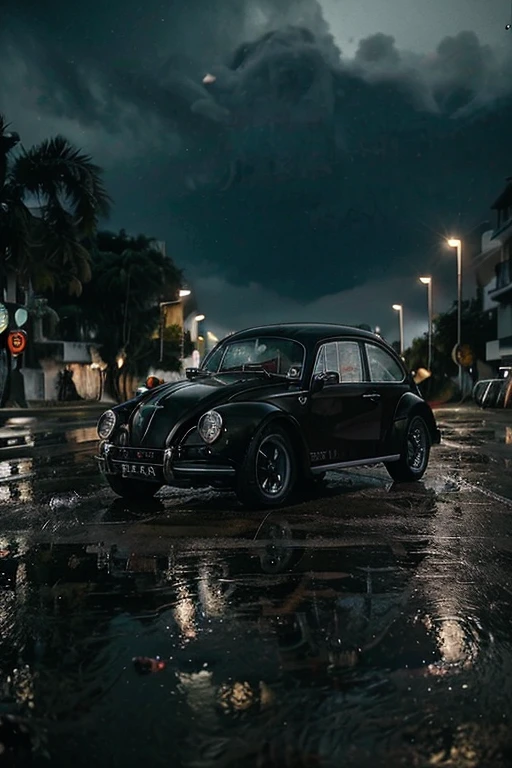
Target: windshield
{"x": 270, "y": 354}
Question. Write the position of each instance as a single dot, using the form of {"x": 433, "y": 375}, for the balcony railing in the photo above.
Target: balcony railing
{"x": 503, "y": 280}
{"x": 503, "y": 274}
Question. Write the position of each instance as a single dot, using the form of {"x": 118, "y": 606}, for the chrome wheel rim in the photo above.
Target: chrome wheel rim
{"x": 273, "y": 467}
{"x": 416, "y": 446}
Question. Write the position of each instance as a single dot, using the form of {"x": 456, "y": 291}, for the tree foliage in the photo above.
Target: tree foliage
{"x": 119, "y": 307}
{"x": 477, "y": 328}
{"x": 51, "y": 198}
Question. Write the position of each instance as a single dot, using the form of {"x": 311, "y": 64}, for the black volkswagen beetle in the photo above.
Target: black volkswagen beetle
{"x": 271, "y": 409}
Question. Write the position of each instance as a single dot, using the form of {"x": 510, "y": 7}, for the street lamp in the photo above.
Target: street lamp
{"x": 428, "y": 282}
{"x": 183, "y": 292}
{"x": 398, "y": 308}
{"x": 454, "y": 242}
{"x": 200, "y": 340}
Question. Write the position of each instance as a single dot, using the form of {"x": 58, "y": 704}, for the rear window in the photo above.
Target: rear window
{"x": 383, "y": 367}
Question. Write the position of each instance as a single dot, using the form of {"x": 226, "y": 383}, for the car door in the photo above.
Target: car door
{"x": 344, "y": 419}
{"x": 389, "y": 382}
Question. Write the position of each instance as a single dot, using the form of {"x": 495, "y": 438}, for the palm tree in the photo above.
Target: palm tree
{"x": 44, "y": 245}
{"x": 119, "y": 307}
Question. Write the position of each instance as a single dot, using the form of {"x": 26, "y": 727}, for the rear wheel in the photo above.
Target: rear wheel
{"x": 132, "y": 489}
{"x": 268, "y": 475}
{"x": 415, "y": 454}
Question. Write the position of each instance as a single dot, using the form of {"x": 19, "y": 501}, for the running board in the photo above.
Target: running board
{"x": 359, "y": 463}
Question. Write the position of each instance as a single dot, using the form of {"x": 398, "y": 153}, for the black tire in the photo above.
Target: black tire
{"x": 268, "y": 475}
{"x": 131, "y": 490}
{"x": 413, "y": 460}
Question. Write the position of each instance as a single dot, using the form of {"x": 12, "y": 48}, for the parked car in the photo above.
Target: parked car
{"x": 269, "y": 410}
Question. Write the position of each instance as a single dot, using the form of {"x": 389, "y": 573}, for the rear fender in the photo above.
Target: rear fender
{"x": 408, "y": 406}
{"x": 243, "y": 422}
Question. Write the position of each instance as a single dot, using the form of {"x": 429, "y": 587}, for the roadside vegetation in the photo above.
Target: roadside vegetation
{"x": 80, "y": 283}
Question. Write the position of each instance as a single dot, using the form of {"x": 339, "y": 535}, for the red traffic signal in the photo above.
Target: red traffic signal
{"x": 16, "y": 342}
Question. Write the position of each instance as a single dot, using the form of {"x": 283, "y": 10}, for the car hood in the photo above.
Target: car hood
{"x": 183, "y": 401}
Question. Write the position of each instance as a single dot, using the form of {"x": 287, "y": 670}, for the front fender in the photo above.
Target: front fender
{"x": 409, "y": 405}
{"x": 243, "y": 421}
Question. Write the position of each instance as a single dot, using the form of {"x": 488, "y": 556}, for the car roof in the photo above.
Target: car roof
{"x": 307, "y": 333}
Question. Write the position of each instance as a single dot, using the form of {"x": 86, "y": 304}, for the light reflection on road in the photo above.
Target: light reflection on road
{"x": 371, "y": 619}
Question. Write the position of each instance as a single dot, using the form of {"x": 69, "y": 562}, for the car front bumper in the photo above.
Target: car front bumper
{"x": 160, "y": 466}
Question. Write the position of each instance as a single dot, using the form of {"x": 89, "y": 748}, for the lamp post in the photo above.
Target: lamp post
{"x": 182, "y": 294}
{"x": 454, "y": 242}
{"x": 428, "y": 282}
{"x": 199, "y": 319}
{"x": 398, "y": 308}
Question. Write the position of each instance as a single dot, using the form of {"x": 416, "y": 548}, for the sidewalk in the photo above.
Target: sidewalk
{"x": 472, "y": 410}
{"x": 56, "y": 408}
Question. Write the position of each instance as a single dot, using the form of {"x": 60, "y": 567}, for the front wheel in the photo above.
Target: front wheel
{"x": 132, "y": 490}
{"x": 414, "y": 457}
{"x": 268, "y": 475}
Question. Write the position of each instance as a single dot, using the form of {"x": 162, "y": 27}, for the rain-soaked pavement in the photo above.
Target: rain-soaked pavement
{"x": 366, "y": 626}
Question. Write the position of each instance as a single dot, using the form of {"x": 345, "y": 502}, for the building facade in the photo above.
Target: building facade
{"x": 493, "y": 269}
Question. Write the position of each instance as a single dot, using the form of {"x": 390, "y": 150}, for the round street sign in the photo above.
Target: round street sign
{"x": 16, "y": 342}
{"x": 463, "y": 355}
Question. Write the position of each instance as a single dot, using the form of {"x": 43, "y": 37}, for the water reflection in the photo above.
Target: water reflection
{"x": 86, "y": 610}
{"x": 30, "y": 450}
{"x": 283, "y": 646}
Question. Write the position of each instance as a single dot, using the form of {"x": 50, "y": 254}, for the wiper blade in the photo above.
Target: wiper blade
{"x": 252, "y": 368}
{"x": 256, "y": 368}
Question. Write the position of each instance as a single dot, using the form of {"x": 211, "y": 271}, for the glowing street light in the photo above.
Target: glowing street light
{"x": 428, "y": 282}
{"x": 454, "y": 242}
{"x": 398, "y": 308}
{"x": 200, "y": 338}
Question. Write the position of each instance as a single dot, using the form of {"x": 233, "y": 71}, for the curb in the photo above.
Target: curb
{"x": 55, "y": 409}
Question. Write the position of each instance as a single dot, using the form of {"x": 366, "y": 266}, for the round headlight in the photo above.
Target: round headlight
{"x": 106, "y": 424}
{"x": 210, "y": 426}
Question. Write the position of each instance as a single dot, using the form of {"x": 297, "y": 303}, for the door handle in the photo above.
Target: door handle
{"x": 373, "y": 396}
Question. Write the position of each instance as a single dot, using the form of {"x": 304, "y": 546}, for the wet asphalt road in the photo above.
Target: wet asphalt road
{"x": 368, "y": 625}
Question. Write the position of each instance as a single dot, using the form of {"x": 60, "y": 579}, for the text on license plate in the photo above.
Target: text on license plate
{"x": 142, "y": 470}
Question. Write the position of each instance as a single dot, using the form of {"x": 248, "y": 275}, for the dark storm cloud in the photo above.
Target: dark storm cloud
{"x": 291, "y": 165}
{"x": 378, "y": 49}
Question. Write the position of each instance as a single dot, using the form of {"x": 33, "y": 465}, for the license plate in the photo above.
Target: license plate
{"x": 147, "y": 471}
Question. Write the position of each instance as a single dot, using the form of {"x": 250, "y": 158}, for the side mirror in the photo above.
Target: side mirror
{"x": 321, "y": 380}
{"x": 191, "y": 373}
{"x": 331, "y": 377}
{"x": 294, "y": 373}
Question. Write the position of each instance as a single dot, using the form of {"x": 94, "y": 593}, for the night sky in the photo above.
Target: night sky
{"x": 317, "y": 175}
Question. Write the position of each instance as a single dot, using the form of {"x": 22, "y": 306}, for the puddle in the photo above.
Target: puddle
{"x": 279, "y": 646}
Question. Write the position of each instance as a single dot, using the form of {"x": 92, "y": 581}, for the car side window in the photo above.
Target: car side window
{"x": 382, "y": 366}
{"x": 343, "y": 357}
{"x": 351, "y": 366}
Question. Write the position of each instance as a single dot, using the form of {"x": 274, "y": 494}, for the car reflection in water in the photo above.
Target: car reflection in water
{"x": 278, "y": 646}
